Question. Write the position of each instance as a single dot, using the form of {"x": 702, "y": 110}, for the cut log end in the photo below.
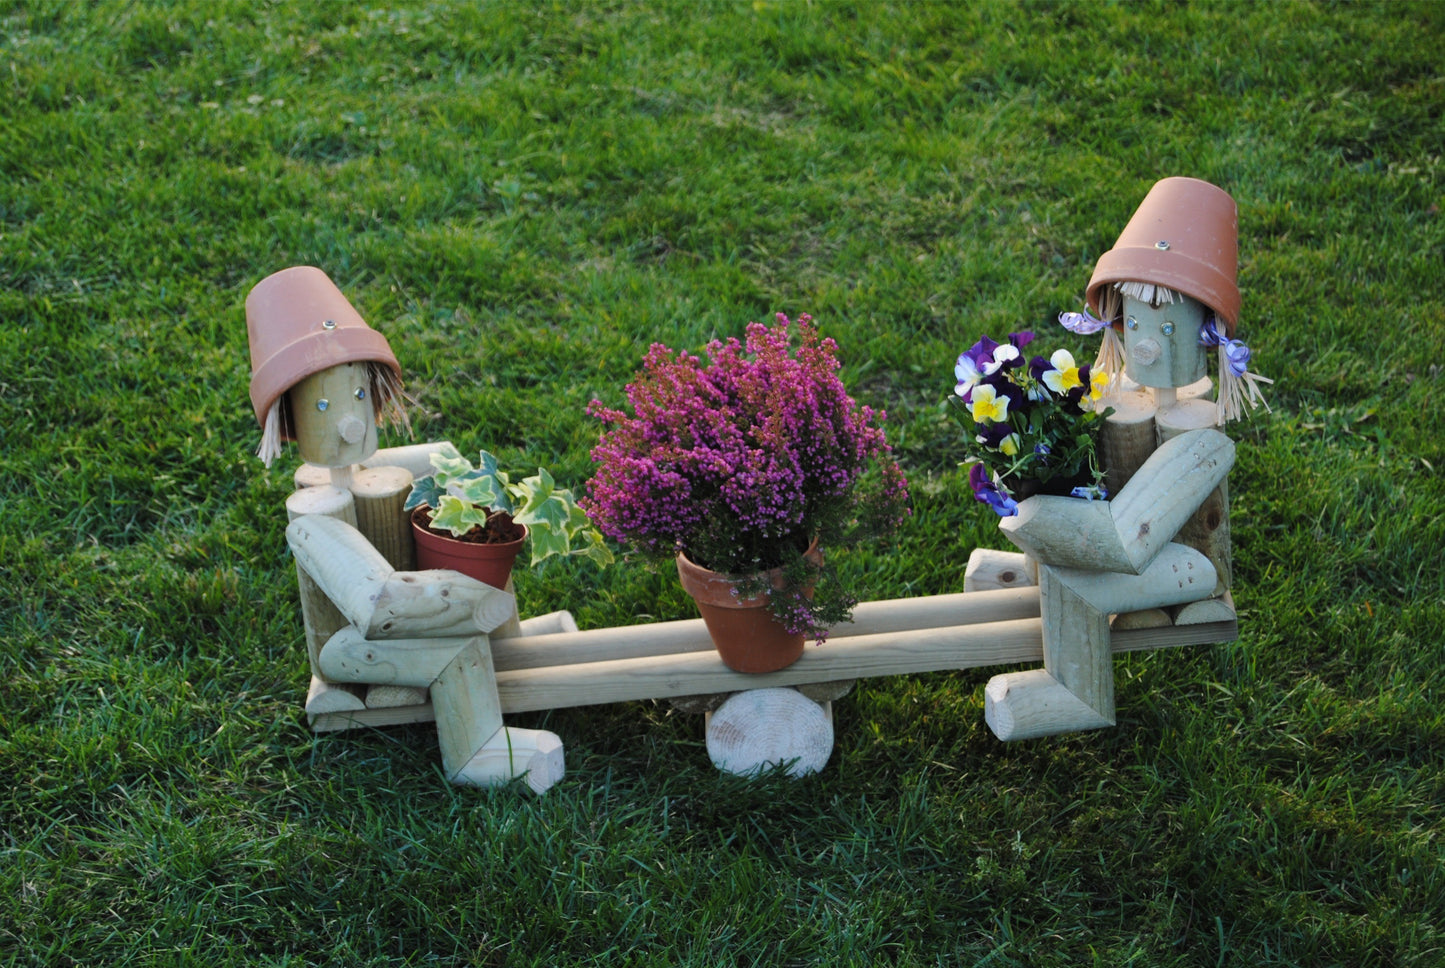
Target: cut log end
{"x": 327, "y": 697}
{"x": 989, "y": 569}
{"x": 764, "y": 729}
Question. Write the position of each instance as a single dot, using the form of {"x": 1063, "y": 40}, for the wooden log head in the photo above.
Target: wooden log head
{"x": 331, "y": 415}
{"x": 1161, "y": 342}
{"x": 301, "y": 326}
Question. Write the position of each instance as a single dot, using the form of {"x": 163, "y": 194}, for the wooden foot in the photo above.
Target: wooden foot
{"x": 762, "y": 729}
{"x": 512, "y": 752}
{"x": 1026, "y": 705}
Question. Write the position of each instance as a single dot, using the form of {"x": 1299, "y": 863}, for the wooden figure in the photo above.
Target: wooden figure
{"x": 1168, "y": 285}
{"x": 323, "y": 378}
{"x": 1097, "y": 559}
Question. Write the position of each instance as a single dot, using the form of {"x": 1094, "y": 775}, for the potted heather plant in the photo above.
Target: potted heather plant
{"x": 475, "y": 519}
{"x": 746, "y": 470}
{"x": 1034, "y": 425}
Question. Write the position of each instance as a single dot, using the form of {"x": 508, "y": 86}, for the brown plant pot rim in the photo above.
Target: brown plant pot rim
{"x": 487, "y": 562}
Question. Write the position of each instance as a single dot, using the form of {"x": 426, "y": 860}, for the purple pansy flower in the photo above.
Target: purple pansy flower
{"x": 988, "y": 492}
{"x": 979, "y": 362}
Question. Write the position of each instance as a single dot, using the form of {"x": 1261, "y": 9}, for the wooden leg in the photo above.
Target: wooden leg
{"x": 1075, "y": 689}
{"x": 512, "y": 752}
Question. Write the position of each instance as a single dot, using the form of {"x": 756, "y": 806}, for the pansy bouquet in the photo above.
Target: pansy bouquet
{"x": 742, "y": 462}
{"x": 1033, "y": 422}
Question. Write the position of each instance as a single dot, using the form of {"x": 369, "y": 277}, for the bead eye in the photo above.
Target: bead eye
{"x": 322, "y": 404}
{"x": 1132, "y": 323}
{"x": 360, "y": 393}
{"x": 1167, "y": 329}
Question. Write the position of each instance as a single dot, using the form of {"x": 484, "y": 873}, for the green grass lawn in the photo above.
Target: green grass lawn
{"x": 521, "y": 197}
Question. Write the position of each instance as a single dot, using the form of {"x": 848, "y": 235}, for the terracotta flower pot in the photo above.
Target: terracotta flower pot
{"x": 488, "y": 563}
{"x": 299, "y": 324}
{"x": 746, "y": 635}
{"x": 1184, "y": 236}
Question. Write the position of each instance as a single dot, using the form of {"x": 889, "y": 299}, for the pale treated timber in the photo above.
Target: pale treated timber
{"x": 390, "y": 697}
{"x": 1172, "y": 484}
{"x": 351, "y": 657}
{"x": 372, "y": 718}
{"x": 1176, "y": 576}
{"x": 1076, "y": 688}
{"x": 548, "y": 624}
{"x": 1124, "y": 535}
{"x": 338, "y": 436}
{"x": 1127, "y": 437}
{"x": 512, "y": 752}
{"x": 380, "y": 493}
{"x": 1147, "y": 618}
{"x": 1200, "y": 388}
{"x": 1205, "y": 612}
{"x": 1076, "y": 643}
{"x": 763, "y": 729}
{"x": 1068, "y": 531}
{"x": 384, "y": 603}
{"x": 1028, "y": 652}
{"x": 464, "y": 698}
{"x": 1157, "y": 359}
{"x": 319, "y": 617}
{"x": 989, "y": 570}
{"x": 858, "y": 657}
{"x": 1030, "y": 704}
{"x": 412, "y": 457}
{"x": 324, "y": 697}
{"x": 512, "y": 626}
{"x": 1208, "y": 527}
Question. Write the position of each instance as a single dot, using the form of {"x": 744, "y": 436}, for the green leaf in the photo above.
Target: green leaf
{"x": 425, "y": 491}
{"x": 546, "y": 542}
{"x": 484, "y": 492}
{"x": 457, "y": 516}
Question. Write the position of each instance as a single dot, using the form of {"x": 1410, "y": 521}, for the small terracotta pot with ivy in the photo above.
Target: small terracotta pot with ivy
{"x": 474, "y": 519}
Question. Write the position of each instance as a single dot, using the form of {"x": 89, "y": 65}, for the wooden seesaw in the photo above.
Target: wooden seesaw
{"x": 458, "y": 639}
{"x": 388, "y": 644}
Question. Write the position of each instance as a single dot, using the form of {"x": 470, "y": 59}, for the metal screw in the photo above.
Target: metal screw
{"x": 1162, "y": 246}
{"x": 1132, "y": 323}
{"x": 322, "y": 404}
{"x": 1167, "y": 329}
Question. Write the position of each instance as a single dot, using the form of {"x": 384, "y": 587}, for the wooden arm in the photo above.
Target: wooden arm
{"x": 386, "y": 604}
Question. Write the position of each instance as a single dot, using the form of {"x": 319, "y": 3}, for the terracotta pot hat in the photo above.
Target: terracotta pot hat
{"x": 1185, "y": 237}
{"x": 301, "y": 324}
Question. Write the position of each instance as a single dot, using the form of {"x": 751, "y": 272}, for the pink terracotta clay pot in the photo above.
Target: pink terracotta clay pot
{"x": 1184, "y": 236}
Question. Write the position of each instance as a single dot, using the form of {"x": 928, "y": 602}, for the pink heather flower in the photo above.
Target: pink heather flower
{"x": 741, "y": 460}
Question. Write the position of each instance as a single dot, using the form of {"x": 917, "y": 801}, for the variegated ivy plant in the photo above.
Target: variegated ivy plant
{"x": 461, "y": 497}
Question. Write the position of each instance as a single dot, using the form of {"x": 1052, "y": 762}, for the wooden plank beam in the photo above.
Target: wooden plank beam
{"x": 349, "y": 656}
{"x": 1030, "y": 651}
